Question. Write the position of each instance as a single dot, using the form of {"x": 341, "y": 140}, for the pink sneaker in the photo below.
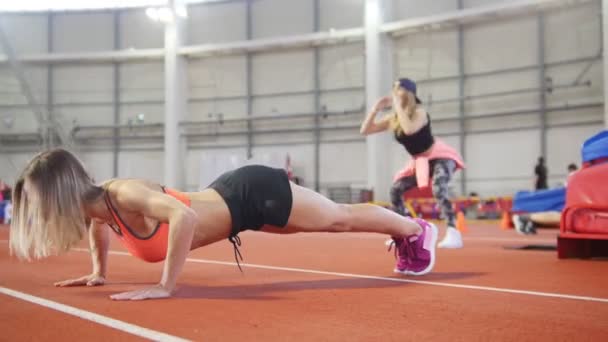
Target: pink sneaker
{"x": 416, "y": 254}
{"x": 401, "y": 254}
{"x": 422, "y": 249}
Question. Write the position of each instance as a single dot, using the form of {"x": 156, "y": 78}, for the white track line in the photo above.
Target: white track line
{"x": 93, "y": 317}
{"x": 465, "y": 238}
{"x": 498, "y": 239}
{"x": 398, "y": 280}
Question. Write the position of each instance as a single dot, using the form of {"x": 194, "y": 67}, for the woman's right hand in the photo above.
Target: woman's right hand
{"x": 88, "y": 280}
{"x": 382, "y": 103}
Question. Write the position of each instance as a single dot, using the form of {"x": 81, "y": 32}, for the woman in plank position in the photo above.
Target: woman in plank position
{"x": 56, "y": 203}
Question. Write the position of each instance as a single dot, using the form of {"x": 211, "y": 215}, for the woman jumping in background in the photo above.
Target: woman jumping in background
{"x": 431, "y": 157}
{"x": 56, "y": 204}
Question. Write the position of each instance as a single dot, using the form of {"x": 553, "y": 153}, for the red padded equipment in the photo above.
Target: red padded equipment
{"x": 584, "y": 222}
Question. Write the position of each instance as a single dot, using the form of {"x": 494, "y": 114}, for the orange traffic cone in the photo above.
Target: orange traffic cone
{"x": 461, "y": 224}
{"x": 505, "y": 223}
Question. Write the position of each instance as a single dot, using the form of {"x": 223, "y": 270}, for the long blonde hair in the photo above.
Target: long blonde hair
{"x": 404, "y": 103}
{"x": 49, "y": 217}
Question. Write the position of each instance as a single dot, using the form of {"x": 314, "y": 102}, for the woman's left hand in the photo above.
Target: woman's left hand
{"x": 154, "y": 292}
{"x": 383, "y": 103}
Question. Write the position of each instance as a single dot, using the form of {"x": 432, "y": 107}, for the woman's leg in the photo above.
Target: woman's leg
{"x": 443, "y": 170}
{"x": 414, "y": 239}
{"x": 527, "y": 223}
{"x": 523, "y": 224}
{"x": 397, "y": 190}
{"x": 547, "y": 218}
{"x": 313, "y": 212}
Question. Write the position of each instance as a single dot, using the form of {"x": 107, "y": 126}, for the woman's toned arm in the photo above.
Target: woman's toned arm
{"x": 182, "y": 220}
{"x": 370, "y": 125}
{"x": 99, "y": 242}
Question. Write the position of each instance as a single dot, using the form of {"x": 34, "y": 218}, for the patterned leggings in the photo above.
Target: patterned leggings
{"x": 442, "y": 171}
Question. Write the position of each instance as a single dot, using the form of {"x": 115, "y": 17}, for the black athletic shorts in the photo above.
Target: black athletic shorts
{"x": 256, "y": 195}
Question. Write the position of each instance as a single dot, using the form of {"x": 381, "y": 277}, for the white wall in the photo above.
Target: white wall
{"x": 217, "y": 23}
{"x": 340, "y": 14}
{"x": 274, "y": 18}
{"x": 99, "y": 164}
{"x": 570, "y": 35}
{"x": 283, "y": 72}
{"x": 142, "y": 164}
{"x": 412, "y": 9}
{"x": 11, "y": 165}
{"x": 27, "y": 34}
{"x": 139, "y": 32}
{"x": 500, "y": 151}
{"x": 342, "y": 67}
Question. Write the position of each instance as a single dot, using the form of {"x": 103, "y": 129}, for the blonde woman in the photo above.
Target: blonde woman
{"x": 56, "y": 204}
{"x": 431, "y": 157}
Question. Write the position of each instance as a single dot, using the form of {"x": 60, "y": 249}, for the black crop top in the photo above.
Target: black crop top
{"x": 418, "y": 142}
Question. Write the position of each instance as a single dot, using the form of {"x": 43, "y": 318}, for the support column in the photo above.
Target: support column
{"x": 249, "y": 80}
{"x": 542, "y": 79}
{"x": 49, "y": 134}
{"x": 461, "y": 88}
{"x": 605, "y": 58}
{"x": 176, "y": 99}
{"x": 116, "y": 95}
{"x": 317, "y": 91}
{"x": 378, "y": 81}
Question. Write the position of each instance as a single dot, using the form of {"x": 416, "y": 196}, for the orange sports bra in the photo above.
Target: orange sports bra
{"x": 152, "y": 248}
